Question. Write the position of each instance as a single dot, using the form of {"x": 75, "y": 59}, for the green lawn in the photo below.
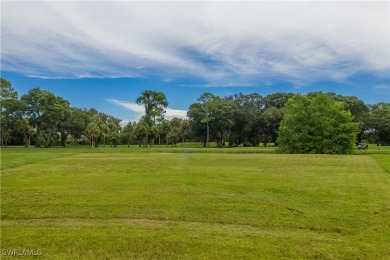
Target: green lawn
{"x": 17, "y": 156}
{"x": 84, "y": 203}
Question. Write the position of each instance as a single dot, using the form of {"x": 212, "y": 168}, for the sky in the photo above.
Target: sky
{"x": 103, "y": 54}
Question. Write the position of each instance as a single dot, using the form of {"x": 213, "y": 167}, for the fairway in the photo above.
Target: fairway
{"x": 86, "y": 204}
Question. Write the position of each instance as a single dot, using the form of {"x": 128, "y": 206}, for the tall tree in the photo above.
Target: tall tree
{"x": 142, "y": 131}
{"x": 199, "y": 129}
{"x": 155, "y": 104}
{"x": 165, "y": 125}
{"x": 93, "y": 133}
{"x": 185, "y": 128}
{"x": 378, "y": 123}
{"x": 27, "y": 130}
{"x": 221, "y": 113}
{"x": 174, "y": 131}
{"x": 11, "y": 111}
{"x": 161, "y": 129}
{"x": 129, "y": 130}
{"x": 277, "y": 100}
{"x": 271, "y": 119}
{"x": 74, "y": 124}
{"x": 113, "y": 130}
{"x": 247, "y": 126}
{"x": 359, "y": 110}
{"x": 46, "y": 112}
{"x": 316, "y": 124}
{"x": 206, "y": 107}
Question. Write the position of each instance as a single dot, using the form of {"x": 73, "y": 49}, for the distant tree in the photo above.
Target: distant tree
{"x": 221, "y": 112}
{"x": 160, "y": 129}
{"x": 271, "y": 119}
{"x": 109, "y": 127}
{"x": 165, "y": 127}
{"x": 247, "y": 126}
{"x": 11, "y": 111}
{"x": 174, "y": 131}
{"x": 93, "y": 132}
{"x": 104, "y": 132}
{"x": 277, "y": 100}
{"x": 177, "y": 130}
{"x": 46, "y": 137}
{"x": 7, "y": 92}
{"x": 378, "y": 123}
{"x": 155, "y": 104}
{"x": 46, "y": 112}
{"x": 200, "y": 113}
{"x": 185, "y": 128}
{"x": 359, "y": 110}
{"x": 236, "y": 119}
{"x": 74, "y": 124}
{"x": 142, "y": 131}
{"x": 27, "y": 130}
{"x": 316, "y": 124}
{"x": 113, "y": 128}
{"x": 196, "y": 113}
{"x": 129, "y": 130}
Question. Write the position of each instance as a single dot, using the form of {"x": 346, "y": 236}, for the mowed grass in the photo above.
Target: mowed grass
{"x": 16, "y": 156}
{"x": 100, "y": 203}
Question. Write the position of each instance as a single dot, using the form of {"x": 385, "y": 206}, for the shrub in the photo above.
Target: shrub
{"x": 316, "y": 124}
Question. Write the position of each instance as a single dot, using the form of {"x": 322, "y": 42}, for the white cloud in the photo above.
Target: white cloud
{"x": 221, "y": 43}
{"x": 139, "y": 110}
{"x": 382, "y": 86}
{"x": 171, "y": 113}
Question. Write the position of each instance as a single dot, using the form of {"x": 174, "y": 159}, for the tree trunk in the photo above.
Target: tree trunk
{"x": 36, "y": 138}
{"x": 128, "y": 141}
{"x": 26, "y": 140}
{"x": 208, "y": 134}
{"x": 159, "y": 139}
{"x": 63, "y": 138}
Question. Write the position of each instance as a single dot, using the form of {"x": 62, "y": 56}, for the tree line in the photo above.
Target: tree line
{"x": 295, "y": 122}
{"x": 313, "y": 123}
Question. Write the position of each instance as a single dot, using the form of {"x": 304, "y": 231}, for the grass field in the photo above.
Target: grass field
{"x": 191, "y": 203}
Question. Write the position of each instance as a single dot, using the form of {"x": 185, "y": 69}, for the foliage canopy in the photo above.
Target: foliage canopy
{"x": 316, "y": 124}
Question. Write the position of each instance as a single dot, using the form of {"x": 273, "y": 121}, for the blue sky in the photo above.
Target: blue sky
{"x": 104, "y": 54}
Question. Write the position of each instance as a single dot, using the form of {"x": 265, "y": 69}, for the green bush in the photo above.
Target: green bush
{"x": 316, "y": 124}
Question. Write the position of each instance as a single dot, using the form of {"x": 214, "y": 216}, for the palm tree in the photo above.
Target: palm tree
{"x": 93, "y": 132}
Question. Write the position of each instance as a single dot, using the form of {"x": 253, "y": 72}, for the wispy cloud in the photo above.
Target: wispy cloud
{"x": 171, "y": 113}
{"x": 219, "y": 43}
{"x": 382, "y": 86}
{"x": 139, "y": 110}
